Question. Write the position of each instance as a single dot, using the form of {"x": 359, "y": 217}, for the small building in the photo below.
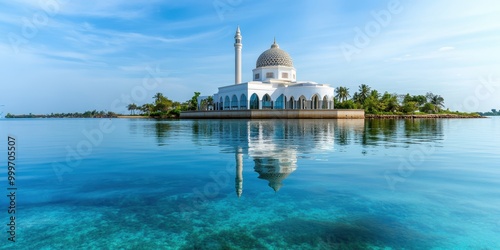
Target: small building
{"x": 274, "y": 85}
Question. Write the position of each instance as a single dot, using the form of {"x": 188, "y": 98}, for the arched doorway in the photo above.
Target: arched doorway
{"x": 221, "y": 103}
{"x": 227, "y": 103}
{"x": 243, "y": 101}
{"x": 301, "y": 104}
{"x": 280, "y": 102}
{"x": 291, "y": 103}
{"x": 234, "y": 102}
{"x": 266, "y": 102}
{"x": 315, "y": 102}
{"x": 254, "y": 101}
{"x": 325, "y": 103}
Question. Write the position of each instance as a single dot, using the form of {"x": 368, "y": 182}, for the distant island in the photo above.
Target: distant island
{"x": 493, "y": 112}
{"x": 376, "y": 105}
{"x": 86, "y": 114}
{"x": 161, "y": 107}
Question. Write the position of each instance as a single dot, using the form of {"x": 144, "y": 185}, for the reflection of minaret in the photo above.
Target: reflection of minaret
{"x": 238, "y": 182}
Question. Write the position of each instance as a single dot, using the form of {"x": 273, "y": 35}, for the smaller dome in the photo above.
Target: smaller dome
{"x": 274, "y": 57}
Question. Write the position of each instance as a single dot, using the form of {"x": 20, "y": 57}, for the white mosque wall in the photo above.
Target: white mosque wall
{"x": 298, "y": 96}
{"x": 277, "y": 73}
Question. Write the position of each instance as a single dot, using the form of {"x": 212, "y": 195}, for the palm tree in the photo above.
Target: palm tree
{"x": 390, "y": 102}
{"x": 436, "y": 100}
{"x": 355, "y": 97}
{"x": 210, "y": 102}
{"x": 132, "y": 107}
{"x": 374, "y": 93}
{"x": 364, "y": 92}
{"x": 147, "y": 108}
{"x": 342, "y": 94}
{"x": 158, "y": 97}
{"x": 193, "y": 103}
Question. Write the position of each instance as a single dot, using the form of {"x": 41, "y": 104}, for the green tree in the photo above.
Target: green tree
{"x": 436, "y": 100}
{"x": 364, "y": 92}
{"x": 147, "y": 108}
{"x": 162, "y": 104}
{"x": 419, "y": 100}
{"x": 372, "y": 104}
{"x": 355, "y": 98}
{"x": 193, "y": 103}
{"x": 428, "y": 108}
{"x": 210, "y": 101}
{"x": 158, "y": 97}
{"x": 390, "y": 102}
{"x": 342, "y": 94}
{"x": 410, "y": 107}
{"x": 132, "y": 107}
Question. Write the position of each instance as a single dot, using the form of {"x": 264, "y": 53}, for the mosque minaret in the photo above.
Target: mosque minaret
{"x": 237, "y": 56}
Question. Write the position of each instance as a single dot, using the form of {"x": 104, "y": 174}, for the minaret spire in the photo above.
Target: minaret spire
{"x": 274, "y": 45}
{"x": 237, "y": 56}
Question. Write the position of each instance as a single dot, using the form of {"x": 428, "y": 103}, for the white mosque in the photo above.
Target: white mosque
{"x": 274, "y": 85}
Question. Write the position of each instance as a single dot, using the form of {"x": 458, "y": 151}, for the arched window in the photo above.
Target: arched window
{"x": 234, "y": 102}
{"x": 221, "y": 103}
{"x": 280, "y": 102}
{"x": 291, "y": 103}
{"x": 254, "y": 101}
{"x": 243, "y": 101}
{"x": 301, "y": 103}
{"x": 325, "y": 102}
{"x": 315, "y": 102}
{"x": 266, "y": 102}
{"x": 227, "y": 103}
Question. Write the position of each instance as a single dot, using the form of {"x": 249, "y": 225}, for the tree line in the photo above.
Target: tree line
{"x": 373, "y": 102}
{"x": 87, "y": 114}
{"x": 163, "y": 107}
{"x": 493, "y": 112}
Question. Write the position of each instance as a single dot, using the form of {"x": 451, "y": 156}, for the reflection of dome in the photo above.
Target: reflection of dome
{"x": 274, "y": 170}
{"x": 274, "y": 57}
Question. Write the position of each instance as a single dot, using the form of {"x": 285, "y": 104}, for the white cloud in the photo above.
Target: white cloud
{"x": 446, "y": 48}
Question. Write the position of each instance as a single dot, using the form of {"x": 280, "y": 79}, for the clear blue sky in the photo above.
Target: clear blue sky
{"x": 68, "y": 56}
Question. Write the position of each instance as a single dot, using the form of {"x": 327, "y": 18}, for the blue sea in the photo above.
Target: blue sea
{"x": 252, "y": 184}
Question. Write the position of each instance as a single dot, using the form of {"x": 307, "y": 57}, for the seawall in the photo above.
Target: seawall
{"x": 426, "y": 116}
{"x": 276, "y": 114}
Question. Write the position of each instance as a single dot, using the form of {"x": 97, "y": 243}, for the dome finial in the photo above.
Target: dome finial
{"x": 275, "y": 45}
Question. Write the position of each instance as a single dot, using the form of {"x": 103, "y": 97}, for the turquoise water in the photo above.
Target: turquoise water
{"x": 260, "y": 184}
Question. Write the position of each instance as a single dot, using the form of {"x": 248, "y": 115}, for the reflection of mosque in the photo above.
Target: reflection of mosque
{"x": 274, "y": 169}
{"x": 273, "y": 145}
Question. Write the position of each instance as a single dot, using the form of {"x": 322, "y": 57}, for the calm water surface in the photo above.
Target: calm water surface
{"x": 259, "y": 184}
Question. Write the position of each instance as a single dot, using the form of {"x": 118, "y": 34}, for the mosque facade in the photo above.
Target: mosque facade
{"x": 274, "y": 85}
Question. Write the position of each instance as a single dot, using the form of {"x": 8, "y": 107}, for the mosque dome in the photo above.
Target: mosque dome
{"x": 274, "y": 57}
